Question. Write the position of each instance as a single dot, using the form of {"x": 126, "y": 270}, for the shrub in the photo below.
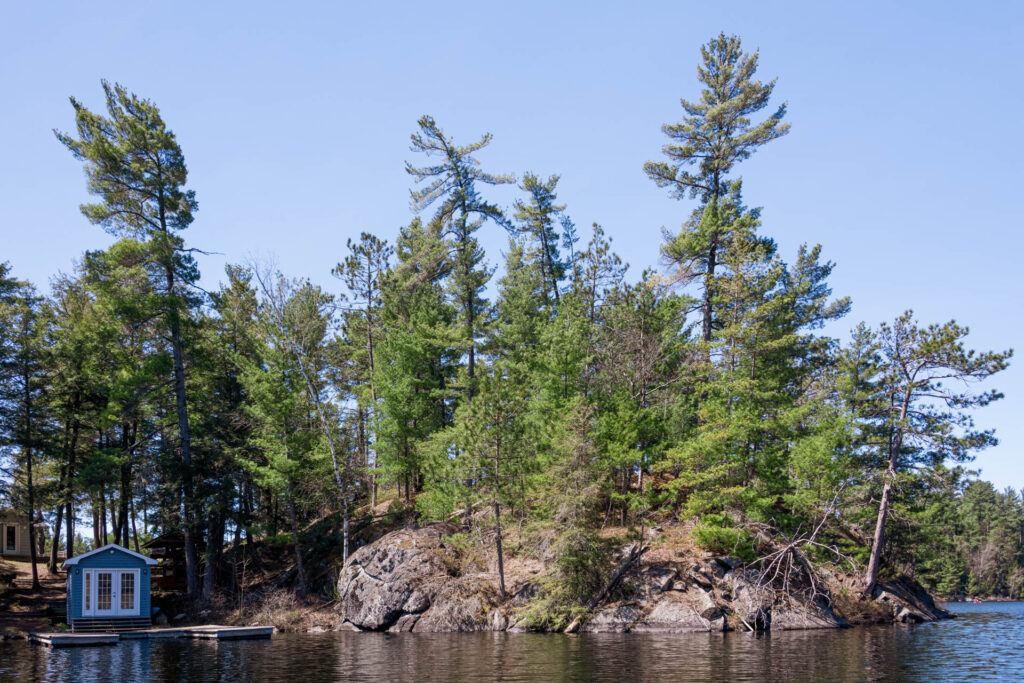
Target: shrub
{"x": 714, "y": 534}
{"x": 581, "y": 564}
{"x": 280, "y": 540}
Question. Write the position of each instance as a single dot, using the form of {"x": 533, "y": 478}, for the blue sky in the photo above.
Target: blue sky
{"x": 904, "y": 159}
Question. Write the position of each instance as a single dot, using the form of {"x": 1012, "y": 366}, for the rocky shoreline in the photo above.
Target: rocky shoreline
{"x": 410, "y": 580}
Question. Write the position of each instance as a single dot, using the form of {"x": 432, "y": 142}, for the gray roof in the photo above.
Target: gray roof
{"x": 110, "y": 546}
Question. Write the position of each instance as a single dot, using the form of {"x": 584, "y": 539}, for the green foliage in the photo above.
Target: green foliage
{"x": 580, "y": 572}
{"x": 571, "y": 398}
{"x": 282, "y": 540}
{"x": 717, "y": 131}
{"x": 715, "y": 534}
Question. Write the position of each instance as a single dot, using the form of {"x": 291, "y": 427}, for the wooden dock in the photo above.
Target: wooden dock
{"x": 228, "y": 632}
{"x": 74, "y": 639}
{"x": 195, "y": 632}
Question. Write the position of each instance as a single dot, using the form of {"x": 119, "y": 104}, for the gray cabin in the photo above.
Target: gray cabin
{"x": 14, "y": 537}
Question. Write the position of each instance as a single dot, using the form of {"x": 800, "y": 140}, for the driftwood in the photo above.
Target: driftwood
{"x": 788, "y": 561}
{"x": 634, "y": 554}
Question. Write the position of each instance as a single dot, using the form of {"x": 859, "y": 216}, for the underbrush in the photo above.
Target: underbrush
{"x": 580, "y": 570}
{"x": 715, "y": 534}
{"x": 849, "y": 605}
{"x": 280, "y": 607}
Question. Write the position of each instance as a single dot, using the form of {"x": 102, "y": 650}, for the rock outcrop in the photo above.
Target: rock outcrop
{"x": 406, "y": 581}
{"x": 910, "y": 602}
{"x": 411, "y": 580}
{"x": 715, "y": 594}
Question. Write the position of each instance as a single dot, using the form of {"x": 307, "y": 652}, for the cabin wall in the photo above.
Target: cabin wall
{"x": 20, "y": 523}
{"x": 107, "y": 560}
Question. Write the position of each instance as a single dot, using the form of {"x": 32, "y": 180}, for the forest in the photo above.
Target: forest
{"x": 553, "y": 394}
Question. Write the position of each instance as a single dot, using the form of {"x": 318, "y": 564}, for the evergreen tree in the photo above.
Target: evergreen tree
{"x": 640, "y": 356}
{"x": 134, "y": 164}
{"x": 923, "y": 413}
{"x": 716, "y": 133}
{"x": 536, "y": 220}
{"x": 362, "y": 273}
{"x": 452, "y": 184}
{"x": 416, "y": 365}
{"x": 24, "y": 378}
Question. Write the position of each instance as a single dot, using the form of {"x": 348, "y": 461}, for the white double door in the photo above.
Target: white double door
{"x": 110, "y": 593}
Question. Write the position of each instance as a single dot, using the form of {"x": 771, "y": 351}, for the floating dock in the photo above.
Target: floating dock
{"x": 195, "y": 632}
{"x": 74, "y": 639}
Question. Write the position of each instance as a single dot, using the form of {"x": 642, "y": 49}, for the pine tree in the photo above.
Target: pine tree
{"x": 453, "y": 184}
{"x": 924, "y": 412}
{"x": 297, "y": 317}
{"x": 639, "y": 358}
{"x": 24, "y": 379}
{"x": 362, "y": 273}
{"x": 536, "y": 220}
{"x": 233, "y": 341}
{"x": 416, "y": 364}
{"x": 136, "y": 167}
{"x": 716, "y": 134}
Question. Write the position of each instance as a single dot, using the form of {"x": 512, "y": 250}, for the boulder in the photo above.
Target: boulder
{"x": 910, "y": 602}
{"x": 676, "y": 612}
{"x": 462, "y": 604}
{"x": 612, "y": 619}
{"x": 763, "y": 609}
{"x": 396, "y": 576}
{"x": 410, "y": 580}
{"x": 404, "y": 581}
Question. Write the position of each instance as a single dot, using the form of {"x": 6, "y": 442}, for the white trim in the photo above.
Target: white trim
{"x": 132, "y": 611}
{"x": 110, "y": 546}
{"x": 87, "y": 608}
{"x": 89, "y": 579}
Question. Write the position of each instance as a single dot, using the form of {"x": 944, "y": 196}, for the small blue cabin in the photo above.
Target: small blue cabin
{"x": 108, "y": 590}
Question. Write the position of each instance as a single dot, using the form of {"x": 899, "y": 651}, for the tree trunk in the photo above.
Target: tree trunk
{"x": 497, "y": 519}
{"x": 364, "y": 451}
{"x": 373, "y": 389}
{"x": 126, "y": 497}
{"x": 871, "y": 574}
{"x": 51, "y": 565}
{"x": 250, "y": 543}
{"x": 31, "y": 519}
{"x": 95, "y": 524}
{"x": 184, "y": 433}
{"x": 103, "y": 516}
{"x": 344, "y": 529}
{"x": 709, "y": 278}
{"x": 135, "y": 531}
{"x": 69, "y": 493}
{"x": 115, "y": 528}
{"x": 300, "y": 574}
{"x": 55, "y": 546}
{"x": 214, "y": 540}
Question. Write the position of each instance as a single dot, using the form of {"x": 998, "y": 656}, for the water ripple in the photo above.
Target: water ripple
{"x": 984, "y": 644}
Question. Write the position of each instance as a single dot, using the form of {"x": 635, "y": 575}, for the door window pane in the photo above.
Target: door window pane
{"x": 127, "y": 590}
{"x": 103, "y": 590}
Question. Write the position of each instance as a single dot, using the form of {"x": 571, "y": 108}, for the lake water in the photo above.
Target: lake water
{"x": 985, "y": 643}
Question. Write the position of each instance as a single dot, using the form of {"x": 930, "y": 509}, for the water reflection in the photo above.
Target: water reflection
{"x": 984, "y": 644}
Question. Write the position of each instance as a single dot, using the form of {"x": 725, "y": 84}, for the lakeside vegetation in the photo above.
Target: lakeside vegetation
{"x": 580, "y": 397}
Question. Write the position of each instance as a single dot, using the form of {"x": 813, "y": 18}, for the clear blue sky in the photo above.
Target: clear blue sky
{"x": 904, "y": 159}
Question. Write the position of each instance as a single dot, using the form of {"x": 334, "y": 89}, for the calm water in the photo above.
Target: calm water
{"x": 985, "y": 643}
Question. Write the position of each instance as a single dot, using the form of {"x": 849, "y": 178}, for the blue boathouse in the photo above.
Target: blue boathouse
{"x": 108, "y": 590}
